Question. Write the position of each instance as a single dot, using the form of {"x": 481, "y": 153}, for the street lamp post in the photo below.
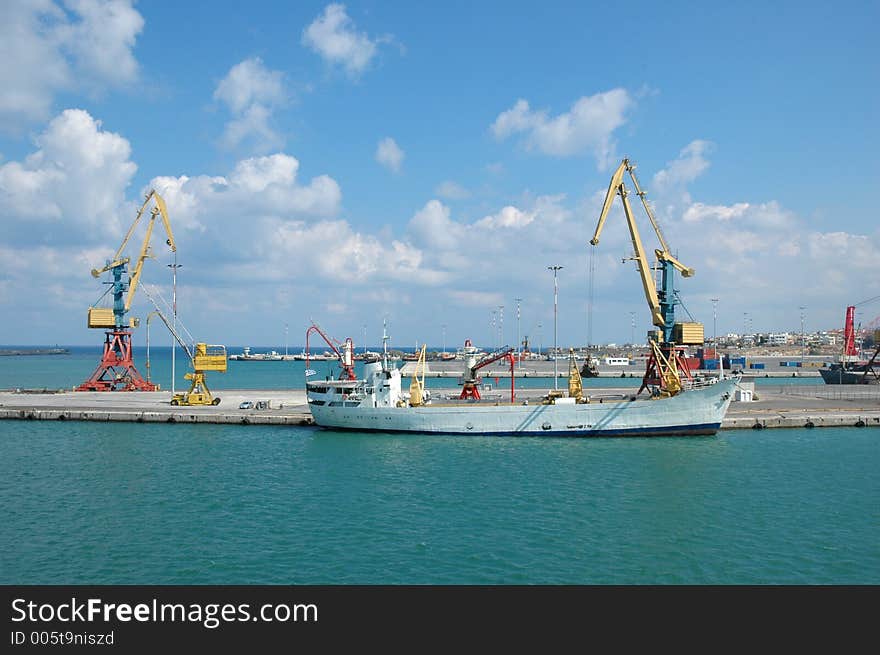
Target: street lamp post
{"x": 632, "y": 337}
{"x": 555, "y": 269}
{"x": 500, "y": 326}
{"x": 174, "y": 268}
{"x": 540, "y": 340}
{"x": 149, "y": 317}
{"x": 494, "y": 333}
{"x": 715, "y": 323}
{"x": 518, "y": 362}
{"x": 803, "y": 339}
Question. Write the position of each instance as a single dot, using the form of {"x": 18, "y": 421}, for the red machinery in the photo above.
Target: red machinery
{"x": 346, "y": 357}
{"x": 469, "y": 390}
{"x": 849, "y": 333}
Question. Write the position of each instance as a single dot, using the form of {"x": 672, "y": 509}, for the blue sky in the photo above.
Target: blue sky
{"x": 349, "y": 162}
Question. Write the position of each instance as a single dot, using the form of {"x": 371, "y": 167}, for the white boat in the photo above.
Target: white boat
{"x": 377, "y": 403}
{"x": 248, "y": 356}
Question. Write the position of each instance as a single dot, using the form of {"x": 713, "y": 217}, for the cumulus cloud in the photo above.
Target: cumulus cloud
{"x": 389, "y": 154}
{"x": 690, "y": 164}
{"x": 257, "y": 188}
{"x": 509, "y": 216}
{"x": 71, "y": 187}
{"x": 251, "y": 92}
{"x": 587, "y": 128}
{"x": 84, "y": 45}
{"x": 334, "y": 37}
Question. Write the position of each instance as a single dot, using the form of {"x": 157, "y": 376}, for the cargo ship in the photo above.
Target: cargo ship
{"x": 376, "y": 402}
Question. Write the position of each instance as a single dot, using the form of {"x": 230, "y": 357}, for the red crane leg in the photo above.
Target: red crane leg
{"x": 117, "y": 371}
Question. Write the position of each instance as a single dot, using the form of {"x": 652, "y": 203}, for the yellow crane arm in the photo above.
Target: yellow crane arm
{"x": 641, "y": 194}
{"x": 117, "y": 258}
{"x": 642, "y": 262}
{"x": 684, "y": 270}
{"x": 145, "y": 247}
{"x": 613, "y": 188}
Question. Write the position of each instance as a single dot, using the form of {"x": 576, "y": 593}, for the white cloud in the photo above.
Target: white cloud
{"x": 257, "y": 188}
{"x": 85, "y": 46}
{"x": 432, "y": 227}
{"x": 102, "y": 42}
{"x": 251, "y": 92}
{"x": 71, "y": 187}
{"x": 587, "y": 127}
{"x": 333, "y": 36}
{"x": 452, "y": 191}
{"x": 250, "y": 83}
{"x": 389, "y": 154}
{"x": 691, "y": 163}
{"x": 508, "y": 217}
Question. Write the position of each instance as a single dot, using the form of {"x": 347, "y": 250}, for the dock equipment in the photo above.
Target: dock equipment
{"x": 116, "y": 370}
{"x": 344, "y": 352}
{"x": 665, "y": 366}
{"x": 469, "y": 380}
{"x": 203, "y": 357}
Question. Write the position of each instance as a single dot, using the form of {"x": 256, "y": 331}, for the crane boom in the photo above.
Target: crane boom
{"x": 663, "y": 366}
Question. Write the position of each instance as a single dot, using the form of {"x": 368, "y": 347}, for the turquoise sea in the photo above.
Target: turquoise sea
{"x": 203, "y": 504}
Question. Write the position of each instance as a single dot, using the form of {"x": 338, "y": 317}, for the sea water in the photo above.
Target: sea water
{"x": 117, "y": 503}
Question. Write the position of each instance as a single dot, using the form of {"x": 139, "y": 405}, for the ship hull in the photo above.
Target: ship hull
{"x": 842, "y": 376}
{"x": 694, "y": 412}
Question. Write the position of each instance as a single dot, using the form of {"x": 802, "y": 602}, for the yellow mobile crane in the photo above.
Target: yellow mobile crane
{"x": 665, "y": 364}
{"x": 116, "y": 370}
{"x": 202, "y": 356}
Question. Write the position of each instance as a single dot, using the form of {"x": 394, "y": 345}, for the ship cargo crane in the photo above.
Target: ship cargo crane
{"x": 850, "y": 351}
{"x": 345, "y": 357}
{"x": 665, "y": 366}
{"x": 116, "y": 371}
{"x": 469, "y": 381}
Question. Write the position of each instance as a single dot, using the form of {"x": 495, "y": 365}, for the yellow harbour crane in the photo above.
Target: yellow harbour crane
{"x": 203, "y": 357}
{"x": 665, "y": 364}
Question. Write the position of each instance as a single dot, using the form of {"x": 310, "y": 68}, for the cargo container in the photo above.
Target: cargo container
{"x": 756, "y": 365}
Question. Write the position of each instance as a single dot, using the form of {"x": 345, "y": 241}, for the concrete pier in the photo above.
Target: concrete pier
{"x": 775, "y": 406}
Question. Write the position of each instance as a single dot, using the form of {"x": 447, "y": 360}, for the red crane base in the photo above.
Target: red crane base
{"x": 469, "y": 391}
{"x": 117, "y": 372}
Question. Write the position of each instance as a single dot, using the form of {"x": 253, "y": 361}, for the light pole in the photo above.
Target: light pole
{"x": 500, "y": 326}
{"x": 632, "y": 337}
{"x": 540, "y": 340}
{"x": 174, "y": 268}
{"x": 803, "y": 340}
{"x": 365, "y": 338}
{"x": 745, "y": 327}
{"x": 285, "y": 340}
{"x": 555, "y": 269}
{"x": 149, "y": 317}
{"x": 518, "y": 362}
{"x": 714, "y": 323}
{"x": 494, "y": 333}
{"x": 443, "y": 329}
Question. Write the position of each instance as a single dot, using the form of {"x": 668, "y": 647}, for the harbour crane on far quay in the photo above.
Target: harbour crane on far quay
{"x": 116, "y": 370}
{"x": 666, "y": 365}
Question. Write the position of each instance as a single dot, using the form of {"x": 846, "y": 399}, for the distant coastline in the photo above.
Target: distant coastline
{"x": 10, "y": 352}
